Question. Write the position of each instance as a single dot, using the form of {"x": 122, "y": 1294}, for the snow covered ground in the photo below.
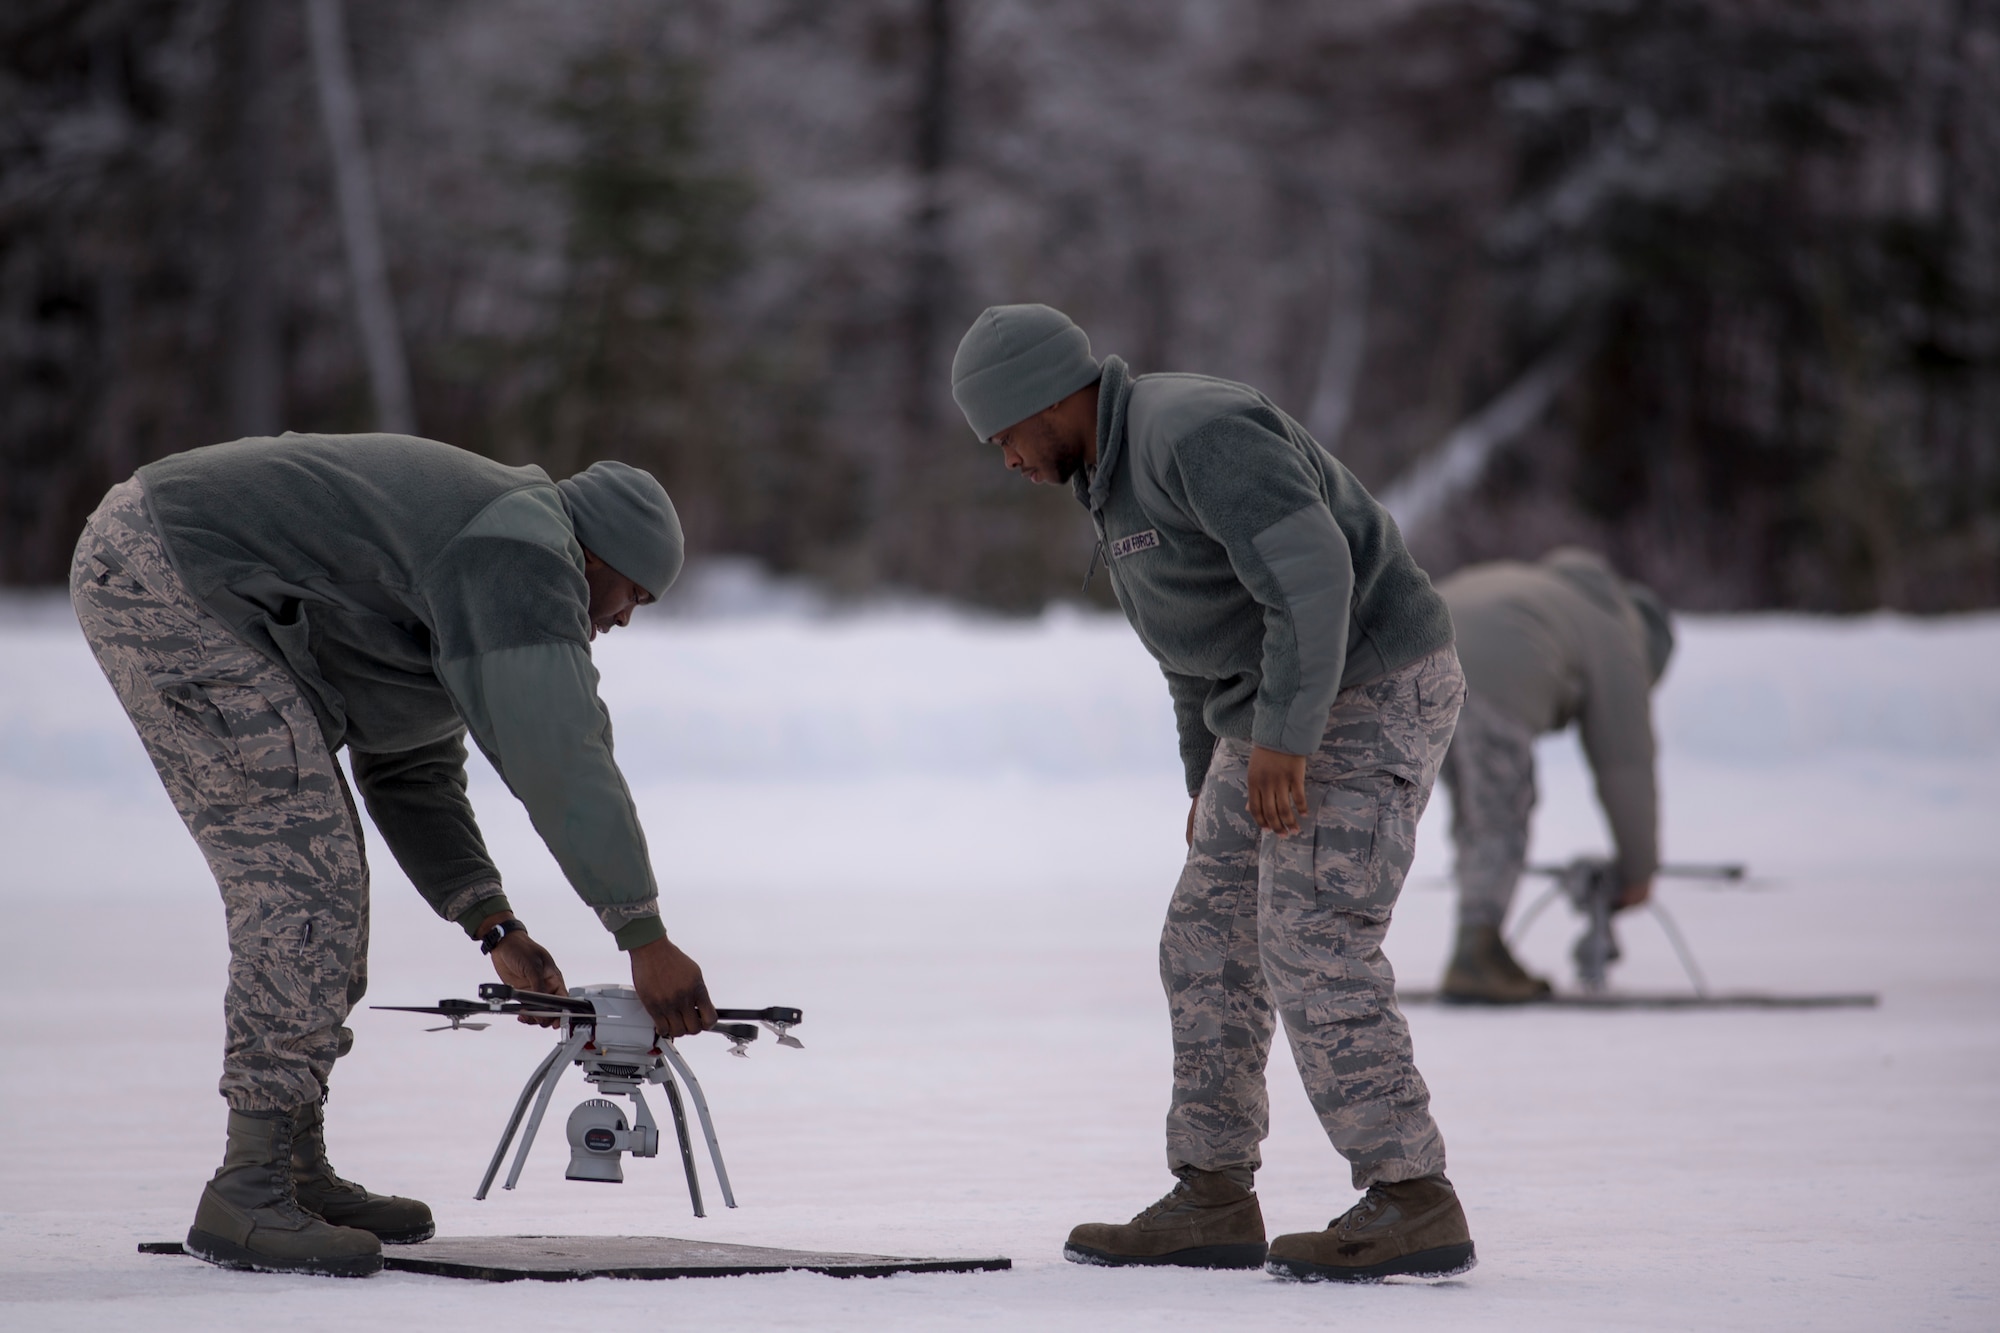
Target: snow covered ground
{"x": 950, "y": 841}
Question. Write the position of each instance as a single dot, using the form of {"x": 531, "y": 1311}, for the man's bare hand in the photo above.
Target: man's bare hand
{"x": 1193, "y": 805}
{"x": 526, "y": 965}
{"x": 670, "y": 986}
{"x": 1277, "y": 790}
{"x": 1635, "y": 894}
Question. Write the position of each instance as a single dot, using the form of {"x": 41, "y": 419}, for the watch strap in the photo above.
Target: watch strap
{"x": 491, "y": 939}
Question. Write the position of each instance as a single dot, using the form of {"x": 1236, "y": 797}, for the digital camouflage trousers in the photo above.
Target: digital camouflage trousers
{"x": 1261, "y": 923}
{"x": 244, "y": 759}
{"x": 1490, "y": 773}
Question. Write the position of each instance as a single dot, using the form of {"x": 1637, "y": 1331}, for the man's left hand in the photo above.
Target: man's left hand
{"x": 670, "y": 986}
{"x": 1635, "y": 894}
{"x": 1277, "y": 790}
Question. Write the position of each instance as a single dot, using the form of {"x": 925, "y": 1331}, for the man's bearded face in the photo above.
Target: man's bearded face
{"x": 1034, "y": 449}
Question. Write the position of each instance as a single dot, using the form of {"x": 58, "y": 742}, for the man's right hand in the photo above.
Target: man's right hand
{"x": 1193, "y": 805}
{"x": 670, "y": 986}
{"x": 526, "y": 965}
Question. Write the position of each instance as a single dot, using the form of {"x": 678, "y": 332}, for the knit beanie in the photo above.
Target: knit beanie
{"x": 623, "y": 516}
{"x": 1659, "y": 627}
{"x": 1015, "y": 361}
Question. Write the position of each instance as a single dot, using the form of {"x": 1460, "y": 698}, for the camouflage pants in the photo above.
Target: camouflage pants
{"x": 1490, "y": 773}
{"x": 243, "y": 757}
{"x": 1295, "y": 924}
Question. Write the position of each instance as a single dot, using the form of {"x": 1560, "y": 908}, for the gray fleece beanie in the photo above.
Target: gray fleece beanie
{"x": 1015, "y": 361}
{"x": 623, "y": 516}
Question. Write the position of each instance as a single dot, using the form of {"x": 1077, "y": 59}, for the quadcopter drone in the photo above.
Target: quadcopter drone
{"x": 608, "y": 1033}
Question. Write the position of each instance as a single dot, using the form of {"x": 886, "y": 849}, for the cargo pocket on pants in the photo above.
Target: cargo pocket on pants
{"x": 236, "y": 747}
{"x": 1363, "y": 840}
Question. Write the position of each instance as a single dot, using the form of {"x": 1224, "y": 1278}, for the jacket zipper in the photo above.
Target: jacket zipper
{"x": 1096, "y": 550}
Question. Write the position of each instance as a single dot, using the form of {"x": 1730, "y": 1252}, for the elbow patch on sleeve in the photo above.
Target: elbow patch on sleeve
{"x": 513, "y": 576}
{"x": 1308, "y": 556}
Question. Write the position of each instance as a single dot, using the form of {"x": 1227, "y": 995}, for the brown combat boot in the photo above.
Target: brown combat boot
{"x": 1483, "y": 971}
{"x": 249, "y": 1214}
{"x": 1206, "y": 1221}
{"x": 393, "y": 1219}
{"x": 1411, "y": 1228}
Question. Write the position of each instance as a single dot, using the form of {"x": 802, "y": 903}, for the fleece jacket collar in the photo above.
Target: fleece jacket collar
{"x": 1114, "y": 393}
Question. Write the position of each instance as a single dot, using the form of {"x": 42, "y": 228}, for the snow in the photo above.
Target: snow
{"x": 950, "y": 841}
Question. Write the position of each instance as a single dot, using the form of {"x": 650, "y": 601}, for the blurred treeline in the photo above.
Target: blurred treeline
{"x": 1710, "y": 285}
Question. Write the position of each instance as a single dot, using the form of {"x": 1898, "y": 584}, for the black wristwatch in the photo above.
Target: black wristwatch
{"x": 491, "y": 939}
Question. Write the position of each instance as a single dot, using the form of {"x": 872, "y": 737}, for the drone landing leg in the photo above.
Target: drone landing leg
{"x": 687, "y": 1145}
{"x": 514, "y": 1121}
{"x": 1679, "y": 942}
{"x": 564, "y": 1054}
{"x": 707, "y": 1125}
{"x": 1527, "y": 918}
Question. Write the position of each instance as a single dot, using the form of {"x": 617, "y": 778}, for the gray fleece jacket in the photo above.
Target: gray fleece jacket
{"x": 415, "y": 591}
{"x": 1254, "y": 567}
{"x": 1557, "y": 642}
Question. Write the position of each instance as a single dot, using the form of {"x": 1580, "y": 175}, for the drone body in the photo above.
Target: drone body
{"x": 606, "y": 1032}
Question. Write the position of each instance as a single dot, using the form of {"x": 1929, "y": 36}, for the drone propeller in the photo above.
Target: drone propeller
{"x": 444, "y": 1008}
{"x": 738, "y": 1025}
{"x": 778, "y": 1018}
{"x": 529, "y": 1004}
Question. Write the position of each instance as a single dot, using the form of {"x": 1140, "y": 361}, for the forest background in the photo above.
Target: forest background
{"x": 1712, "y": 286}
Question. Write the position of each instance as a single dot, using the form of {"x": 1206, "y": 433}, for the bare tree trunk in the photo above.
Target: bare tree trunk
{"x": 903, "y": 513}
{"x": 1347, "y": 326}
{"x": 360, "y": 222}
{"x": 930, "y": 266}
{"x": 1419, "y": 495}
{"x": 111, "y": 424}
{"x": 256, "y": 377}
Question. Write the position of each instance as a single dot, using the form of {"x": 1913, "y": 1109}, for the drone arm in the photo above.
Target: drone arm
{"x": 1733, "y": 870}
{"x": 532, "y": 1001}
{"x": 777, "y": 1013}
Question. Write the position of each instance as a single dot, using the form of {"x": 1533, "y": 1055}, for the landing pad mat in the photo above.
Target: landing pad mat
{"x": 573, "y": 1258}
{"x": 1671, "y": 1000}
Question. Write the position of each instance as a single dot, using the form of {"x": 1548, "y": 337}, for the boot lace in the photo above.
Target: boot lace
{"x": 311, "y": 1166}
{"x": 1172, "y": 1199}
{"x": 283, "y": 1145}
{"x": 1361, "y": 1214}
